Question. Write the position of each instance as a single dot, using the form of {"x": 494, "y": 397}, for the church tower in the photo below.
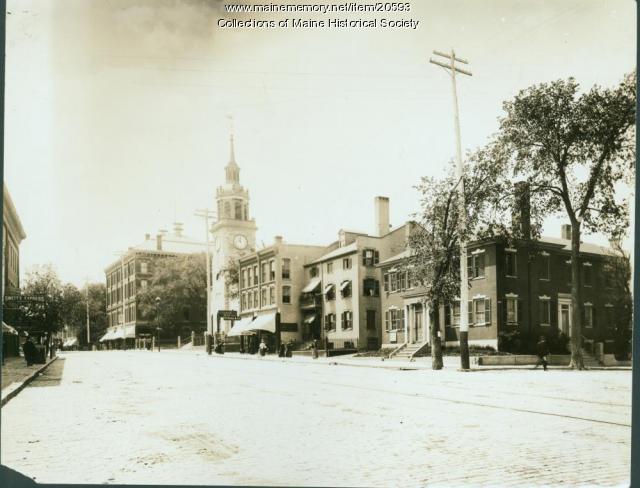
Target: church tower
{"x": 234, "y": 234}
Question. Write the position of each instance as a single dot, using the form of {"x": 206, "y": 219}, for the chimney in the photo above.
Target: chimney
{"x": 565, "y": 232}
{"x": 159, "y": 242}
{"x": 177, "y": 229}
{"x": 382, "y": 215}
{"x": 147, "y": 237}
{"x": 278, "y": 239}
{"x": 522, "y": 210}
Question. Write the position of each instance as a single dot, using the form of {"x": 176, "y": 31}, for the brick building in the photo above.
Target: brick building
{"x": 523, "y": 289}
{"x": 270, "y": 285}
{"x": 131, "y": 274}
{"x": 12, "y": 235}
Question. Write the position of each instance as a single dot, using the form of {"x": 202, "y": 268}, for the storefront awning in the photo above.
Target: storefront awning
{"x": 328, "y": 288}
{"x": 72, "y": 341}
{"x": 7, "y": 329}
{"x": 344, "y": 284}
{"x": 310, "y": 319}
{"x": 104, "y": 337}
{"x": 119, "y": 334}
{"x": 240, "y": 327}
{"x": 264, "y": 322}
{"x": 311, "y": 286}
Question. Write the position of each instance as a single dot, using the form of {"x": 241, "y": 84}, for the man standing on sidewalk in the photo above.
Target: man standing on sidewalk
{"x": 29, "y": 350}
{"x": 543, "y": 351}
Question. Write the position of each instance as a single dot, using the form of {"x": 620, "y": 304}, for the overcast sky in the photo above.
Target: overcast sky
{"x": 116, "y": 112}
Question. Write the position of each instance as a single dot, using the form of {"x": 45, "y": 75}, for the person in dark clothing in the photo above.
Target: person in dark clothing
{"x": 314, "y": 349}
{"x": 289, "y": 349}
{"x": 282, "y": 350}
{"x": 29, "y": 350}
{"x": 543, "y": 351}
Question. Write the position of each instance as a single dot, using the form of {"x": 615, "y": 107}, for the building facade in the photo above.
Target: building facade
{"x": 521, "y": 290}
{"x": 131, "y": 274}
{"x": 234, "y": 235}
{"x": 12, "y": 235}
{"x": 270, "y": 287}
{"x": 344, "y": 285}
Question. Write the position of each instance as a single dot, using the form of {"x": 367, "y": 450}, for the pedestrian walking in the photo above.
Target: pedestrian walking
{"x": 282, "y": 350}
{"x": 543, "y": 352}
{"x": 314, "y": 349}
{"x": 29, "y": 350}
{"x": 289, "y": 349}
{"x": 262, "y": 348}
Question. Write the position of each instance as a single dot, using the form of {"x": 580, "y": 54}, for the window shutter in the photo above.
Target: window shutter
{"x": 386, "y": 282}
{"x": 470, "y": 312}
{"x": 386, "y": 320}
{"x": 593, "y": 317}
{"x": 504, "y": 311}
{"x": 519, "y": 302}
{"x": 364, "y": 257}
{"x": 447, "y": 316}
{"x": 470, "y": 267}
{"x": 376, "y": 287}
{"x": 376, "y": 257}
{"x": 487, "y": 310}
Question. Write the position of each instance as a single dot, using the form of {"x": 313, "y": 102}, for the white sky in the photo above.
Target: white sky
{"x": 116, "y": 112}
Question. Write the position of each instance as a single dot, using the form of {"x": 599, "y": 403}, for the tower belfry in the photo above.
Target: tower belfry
{"x": 234, "y": 234}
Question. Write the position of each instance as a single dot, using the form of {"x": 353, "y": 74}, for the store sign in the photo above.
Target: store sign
{"x": 228, "y": 314}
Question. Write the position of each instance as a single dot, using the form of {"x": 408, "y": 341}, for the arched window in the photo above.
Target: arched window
{"x": 246, "y": 211}
{"x": 227, "y": 210}
{"x": 238, "y": 205}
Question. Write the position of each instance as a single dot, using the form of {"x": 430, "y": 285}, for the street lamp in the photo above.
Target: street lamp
{"x": 158, "y": 322}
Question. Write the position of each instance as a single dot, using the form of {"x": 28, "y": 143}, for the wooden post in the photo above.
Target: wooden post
{"x": 193, "y": 338}
{"x": 178, "y": 342}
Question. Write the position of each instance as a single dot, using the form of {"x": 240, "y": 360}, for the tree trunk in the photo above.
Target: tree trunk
{"x": 434, "y": 338}
{"x": 577, "y": 361}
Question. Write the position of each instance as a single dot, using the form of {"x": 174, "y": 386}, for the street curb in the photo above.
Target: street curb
{"x": 25, "y": 382}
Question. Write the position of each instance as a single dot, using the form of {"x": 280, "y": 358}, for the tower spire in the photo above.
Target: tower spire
{"x": 232, "y": 170}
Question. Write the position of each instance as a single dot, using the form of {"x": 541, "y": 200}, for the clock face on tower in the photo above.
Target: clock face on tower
{"x": 240, "y": 242}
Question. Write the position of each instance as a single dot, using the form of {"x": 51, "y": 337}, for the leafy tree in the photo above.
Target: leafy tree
{"x": 97, "y": 313}
{"x": 574, "y": 149}
{"x": 181, "y": 285}
{"x": 619, "y": 272}
{"x": 434, "y": 260}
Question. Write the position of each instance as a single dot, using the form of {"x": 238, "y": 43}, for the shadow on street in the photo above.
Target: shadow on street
{"x": 52, "y": 376}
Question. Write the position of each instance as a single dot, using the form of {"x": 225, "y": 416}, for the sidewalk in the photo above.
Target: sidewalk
{"x": 422, "y": 363}
{"x": 16, "y": 375}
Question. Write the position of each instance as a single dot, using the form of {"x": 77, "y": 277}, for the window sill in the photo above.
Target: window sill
{"x": 545, "y": 325}
{"x": 544, "y": 279}
{"x": 510, "y": 276}
{"x": 483, "y": 324}
{"x": 478, "y": 278}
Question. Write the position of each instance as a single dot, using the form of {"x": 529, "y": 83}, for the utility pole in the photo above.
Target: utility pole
{"x": 206, "y": 214}
{"x": 452, "y": 69}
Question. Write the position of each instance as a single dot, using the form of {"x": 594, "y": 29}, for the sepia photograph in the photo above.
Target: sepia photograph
{"x": 318, "y": 243}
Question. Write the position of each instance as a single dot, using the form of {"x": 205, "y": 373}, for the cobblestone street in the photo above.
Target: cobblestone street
{"x": 185, "y": 418}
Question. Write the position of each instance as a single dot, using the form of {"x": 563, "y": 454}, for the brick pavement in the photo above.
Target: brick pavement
{"x": 147, "y": 417}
